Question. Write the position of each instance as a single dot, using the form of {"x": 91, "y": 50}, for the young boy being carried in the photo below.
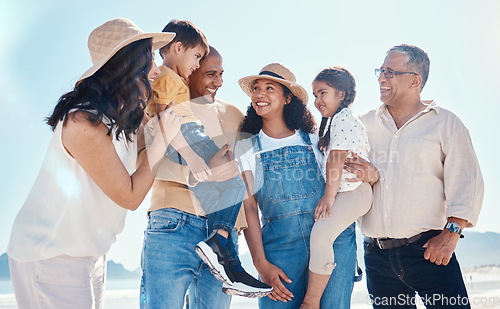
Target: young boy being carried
{"x": 221, "y": 201}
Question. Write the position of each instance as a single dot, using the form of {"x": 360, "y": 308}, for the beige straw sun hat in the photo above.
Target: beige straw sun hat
{"x": 278, "y": 73}
{"x": 107, "y": 39}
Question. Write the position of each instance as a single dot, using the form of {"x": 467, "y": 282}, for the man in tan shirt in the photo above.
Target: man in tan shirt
{"x": 429, "y": 188}
{"x": 176, "y": 220}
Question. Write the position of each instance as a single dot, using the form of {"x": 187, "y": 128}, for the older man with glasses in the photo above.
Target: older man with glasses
{"x": 427, "y": 187}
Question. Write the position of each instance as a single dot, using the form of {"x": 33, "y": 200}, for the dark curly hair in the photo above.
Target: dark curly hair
{"x": 342, "y": 80}
{"x": 295, "y": 113}
{"x": 119, "y": 90}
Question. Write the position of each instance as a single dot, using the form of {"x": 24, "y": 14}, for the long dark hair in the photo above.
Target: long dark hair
{"x": 119, "y": 90}
{"x": 342, "y": 80}
{"x": 295, "y": 113}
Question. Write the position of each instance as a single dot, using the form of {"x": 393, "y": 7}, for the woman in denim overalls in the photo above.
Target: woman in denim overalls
{"x": 280, "y": 167}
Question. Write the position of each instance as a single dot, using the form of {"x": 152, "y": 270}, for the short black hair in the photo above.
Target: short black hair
{"x": 187, "y": 33}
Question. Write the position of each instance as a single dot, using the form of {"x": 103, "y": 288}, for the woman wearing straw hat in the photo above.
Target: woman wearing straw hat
{"x": 77, "y": 206}
{"x": 284, "y": 180}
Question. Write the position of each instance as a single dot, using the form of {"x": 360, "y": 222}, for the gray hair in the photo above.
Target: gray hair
{"x": 416, "y": 59}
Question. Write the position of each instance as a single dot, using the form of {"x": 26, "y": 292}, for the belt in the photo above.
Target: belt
{"x": 393, "y": 243}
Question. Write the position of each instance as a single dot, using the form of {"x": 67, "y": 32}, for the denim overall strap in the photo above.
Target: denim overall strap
{"x": 257, "y": 149}
{"x": 305, "y": 137}
{"x": 257, "y": 145}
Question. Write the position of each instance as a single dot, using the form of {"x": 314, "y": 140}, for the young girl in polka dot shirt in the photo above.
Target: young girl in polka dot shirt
{"x": 343, "y": 202}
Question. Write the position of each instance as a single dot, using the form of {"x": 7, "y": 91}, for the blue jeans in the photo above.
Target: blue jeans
{"x": 221, "y": 201}
{"x": 393, "y": 276}
{"x": 292, "y": 256}
{"x": 170, "y": 265}
{"x": 291, "y": 185}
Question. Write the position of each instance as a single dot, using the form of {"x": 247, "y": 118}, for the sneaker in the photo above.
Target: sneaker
{"x": 216, "y": 257}
{"x": 247, "y": 286}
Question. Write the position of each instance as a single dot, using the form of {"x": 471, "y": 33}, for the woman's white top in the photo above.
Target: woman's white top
{"x": 245, "y": 154}
{"x": 347, "y": 133}
{"x": 66, "y": 213}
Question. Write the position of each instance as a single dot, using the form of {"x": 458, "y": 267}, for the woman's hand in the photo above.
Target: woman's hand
{"x": 363, "y": 170}
{"x": 272, "y": 275}
{"x": 158, "y": 133}
{"x": 324, "y": 206}
{"x": 165, "y": 122}
{"x": 197, "y": 166}
{"x": 223, "y": 165}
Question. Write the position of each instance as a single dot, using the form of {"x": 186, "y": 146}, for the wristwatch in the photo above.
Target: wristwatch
{"x": 454, "y": 227}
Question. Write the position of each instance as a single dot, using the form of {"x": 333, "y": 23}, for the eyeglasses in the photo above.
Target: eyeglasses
{"x": 390, "y": 73}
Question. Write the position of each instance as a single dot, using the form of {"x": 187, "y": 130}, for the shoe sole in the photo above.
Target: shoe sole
{"x": 207, "y": 255}
{"x": 233, "y": 290}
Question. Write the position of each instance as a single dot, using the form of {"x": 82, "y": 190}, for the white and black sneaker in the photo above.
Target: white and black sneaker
{"x": 216, "y": 257}
{"x": 247, "y": 286}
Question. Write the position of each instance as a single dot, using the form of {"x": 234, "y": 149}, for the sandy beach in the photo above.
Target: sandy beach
{"x": 483, "y": 284}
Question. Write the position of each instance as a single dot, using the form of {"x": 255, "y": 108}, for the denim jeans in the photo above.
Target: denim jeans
{"x": 292, "y": 256}
{"x": 291, "y": 186}
{"x": 221, "y": 201}
{"x": 394, "y": 275}
{"x": 170, "y": 265}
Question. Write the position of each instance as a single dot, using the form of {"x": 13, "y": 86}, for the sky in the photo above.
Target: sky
{"x": 43, "y": 51}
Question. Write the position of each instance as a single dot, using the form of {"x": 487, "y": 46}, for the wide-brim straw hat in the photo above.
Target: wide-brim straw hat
{"x": 278, "y": 73}
{"x": 107, "y": 39}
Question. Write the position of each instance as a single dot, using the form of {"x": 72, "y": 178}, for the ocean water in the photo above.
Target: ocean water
{"x": 7, "y": 299}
